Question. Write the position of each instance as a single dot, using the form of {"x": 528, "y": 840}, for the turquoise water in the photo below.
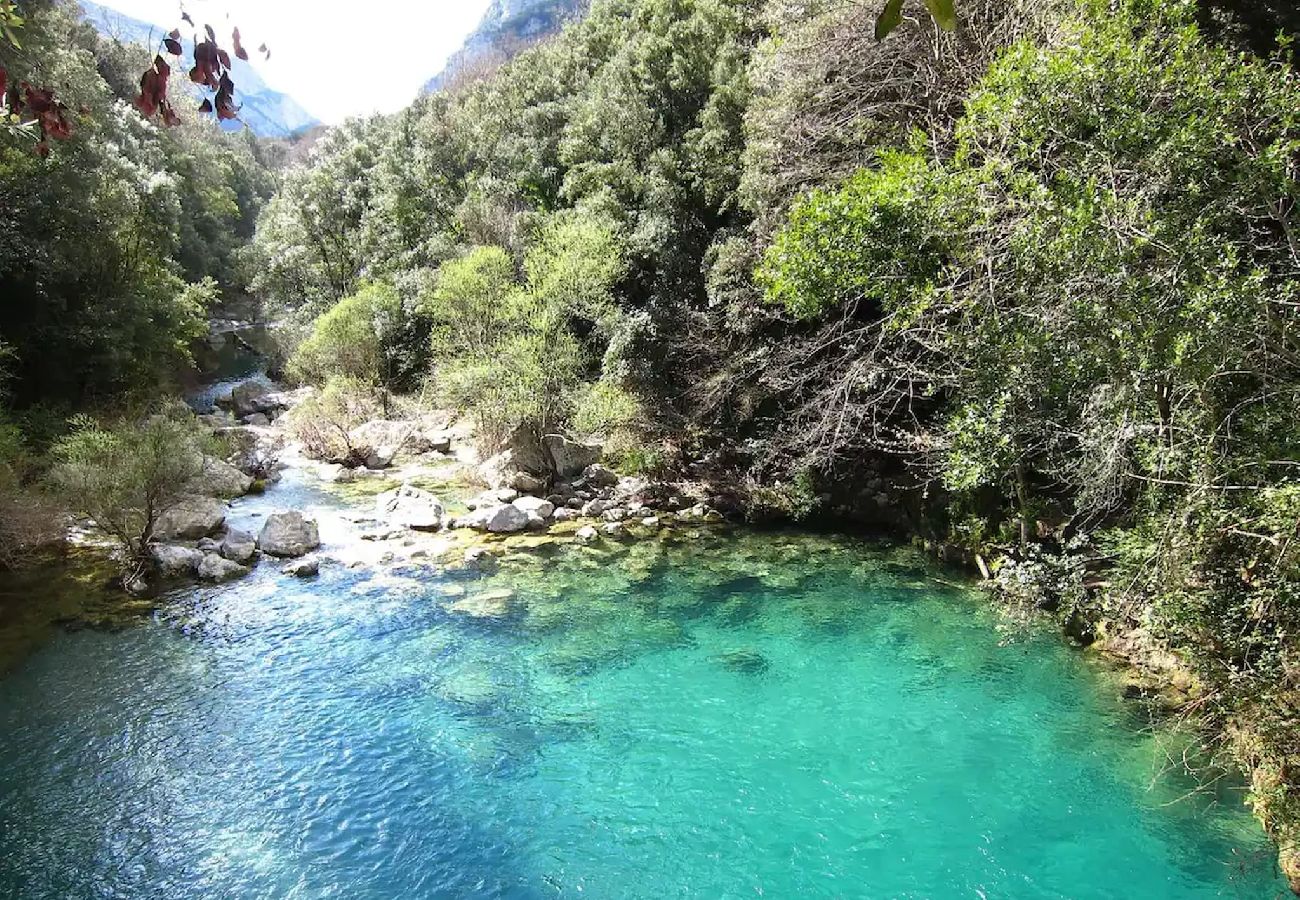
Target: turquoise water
{"x": 720, "y": 717}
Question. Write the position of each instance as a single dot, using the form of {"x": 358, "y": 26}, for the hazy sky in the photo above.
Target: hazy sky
{"x": 337, "y": 59}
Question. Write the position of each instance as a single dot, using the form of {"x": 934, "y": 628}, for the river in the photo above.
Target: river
{"x": 709, "y": 714}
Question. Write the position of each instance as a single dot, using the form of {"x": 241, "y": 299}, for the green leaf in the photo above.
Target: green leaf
{"x": 944, "y": 13}
{"x": 890, "y": 18}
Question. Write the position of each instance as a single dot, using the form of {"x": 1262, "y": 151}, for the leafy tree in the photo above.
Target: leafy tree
{"x": 125, "y": 475}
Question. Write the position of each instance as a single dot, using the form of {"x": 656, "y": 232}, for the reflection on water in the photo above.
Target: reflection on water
{"x": 707, "y": 715}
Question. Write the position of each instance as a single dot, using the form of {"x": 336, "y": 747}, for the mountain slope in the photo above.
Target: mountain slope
{"x": 507, "y": 27}
{"x": 267, "y": 112}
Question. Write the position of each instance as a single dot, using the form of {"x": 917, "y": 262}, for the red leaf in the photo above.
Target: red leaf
{"x": 239, "y": 47}
{"x": 212, "y": 35}
{"x": 4, "y": 84}
{"x": 224, "y": 57}
{"x": 173, "y": 46}
{"x": 176, "y": 34}
{"x": 205, "y": 106}
{"x": 43, "y": 149}
{"x": 186, "y": 18}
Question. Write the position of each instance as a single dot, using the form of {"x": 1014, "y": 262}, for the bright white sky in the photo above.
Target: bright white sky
{"x": 337, "y": 59}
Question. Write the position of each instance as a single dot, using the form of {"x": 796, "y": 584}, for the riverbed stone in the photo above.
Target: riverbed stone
{"x": 535, "y": 506}
{"x": 251, "y": 397}
{"x": 220, "y": 479}
{"x": 190, "y": 519}
{"x": 411, "y": 507}
{"x": 480, "y": 559}
{"x": 174, "y": 561}
{"x": 306, "y": 567}
{"x": 597, "y": 476}
{"x": 215, "y": 567}
{"x": 587, "y": 534}
{"x": 505, "y": 519}
{"x": 238, "y": 546}
{"x": 288, "y": 534}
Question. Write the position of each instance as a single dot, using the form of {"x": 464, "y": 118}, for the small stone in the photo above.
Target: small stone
{"x": 616, "y": 514}
{"x": 598, "y": 476}
{"x": 527, "y": 484}
{"x": 614, "y": 530}
{"x": 564, "y": 514}
{"x": 651, "y": 522}
{"x": 306, "y": 567}
{"x": 594, "y": 508}
{"x": 586, "y": 535}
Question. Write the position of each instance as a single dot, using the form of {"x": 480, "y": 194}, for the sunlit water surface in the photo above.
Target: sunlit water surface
{"x": 725, "y": 716}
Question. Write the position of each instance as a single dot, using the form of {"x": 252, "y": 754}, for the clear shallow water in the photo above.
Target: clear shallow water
{"x": 724, "y": 717}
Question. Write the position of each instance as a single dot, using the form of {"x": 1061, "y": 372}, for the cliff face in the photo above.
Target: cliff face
{"x": 507, "y": 27}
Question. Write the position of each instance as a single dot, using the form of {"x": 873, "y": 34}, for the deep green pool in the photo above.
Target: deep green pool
{"x": 722, "y": 717}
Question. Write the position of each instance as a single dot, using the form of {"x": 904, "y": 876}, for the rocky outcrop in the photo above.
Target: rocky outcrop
{"x": 288, "y": 534}
{"x": 597, "y": 476}
{"x": 251, "y": 397}
{"x": 411, "y": 507}
{"x": 190, "y": 519}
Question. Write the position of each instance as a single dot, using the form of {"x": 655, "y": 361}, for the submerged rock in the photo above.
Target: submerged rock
{"x": 411, "y": 507}
{"x": 746, "y": 661}
{"x": 288, "y": 534}
{"x": 493, "y": 604}
{"x": 480, "y": 559}
{"x": 190, "y": 519}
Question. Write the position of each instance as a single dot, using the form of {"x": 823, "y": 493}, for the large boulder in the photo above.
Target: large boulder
{"x": 535, "y": 506}
{"x": 215, "y": 567}
{"x": 190, "y": 519}
{"x": 569, "y": 457}
{"x": 505, "y": 519}
{"x": 380, "y": 440}
{"x": 251, "y": 397}
{"x": 598, "y": 476}
{"x": 288, "y": 534}
{"x": 221, "y": 479}
{"x": 411, "y": 507}
{"x": 238, "y": 546}
{"x": 175, "y": 562}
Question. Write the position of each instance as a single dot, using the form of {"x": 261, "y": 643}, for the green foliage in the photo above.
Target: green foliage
{"x": 512, "y": 352}
{"x": 99, "y": 239}
{"x": 878, "y": 238}
{"x": 368, "y": 337}
{"x": 604, "y": 408}
{"x": 324, "y": 422}
{"x": 125, "y": 474}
